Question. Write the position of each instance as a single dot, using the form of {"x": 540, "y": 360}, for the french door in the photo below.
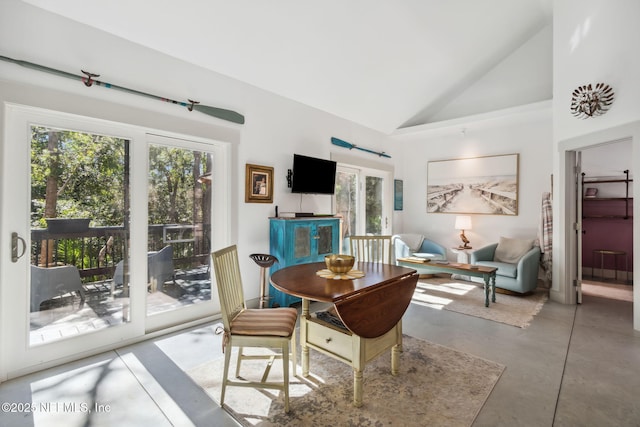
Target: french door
{"x": 363, "y": 199}
{"x": 110, "y": 229}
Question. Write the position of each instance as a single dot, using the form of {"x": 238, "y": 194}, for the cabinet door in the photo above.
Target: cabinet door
{"x": 312, "y": 241}
{"x": 324, "y": 237}
{"x": 303, "y": 249}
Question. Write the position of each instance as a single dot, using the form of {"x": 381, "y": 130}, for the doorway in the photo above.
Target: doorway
{"x": 567, "y": 267}
{"x": 607, "y": 221}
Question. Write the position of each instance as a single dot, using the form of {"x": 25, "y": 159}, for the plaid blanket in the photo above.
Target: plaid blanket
{"x": 545, "y": 235}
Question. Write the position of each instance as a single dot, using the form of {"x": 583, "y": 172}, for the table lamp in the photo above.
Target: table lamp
{"x": 463, "y": 222}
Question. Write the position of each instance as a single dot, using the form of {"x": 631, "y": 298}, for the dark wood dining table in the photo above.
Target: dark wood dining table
{"x": 370, "y": 309}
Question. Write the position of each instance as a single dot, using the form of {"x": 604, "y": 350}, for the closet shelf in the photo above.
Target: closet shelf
{"x": 604, "y": 199}
{"x": 626, "y": 180}
{"x": 605, "y": 181}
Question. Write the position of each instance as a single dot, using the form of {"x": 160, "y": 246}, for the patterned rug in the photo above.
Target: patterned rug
{"x": 464, "y": 297}
{"x": 436, "y": 386}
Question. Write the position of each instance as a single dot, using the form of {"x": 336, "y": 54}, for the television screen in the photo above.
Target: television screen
{"x": 312, "y": 175}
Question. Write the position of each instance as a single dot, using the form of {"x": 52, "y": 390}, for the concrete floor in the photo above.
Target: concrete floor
{"x": 573, "y": 366}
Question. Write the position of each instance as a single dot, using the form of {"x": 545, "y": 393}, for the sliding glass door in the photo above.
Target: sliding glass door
{"x": 110, "y": 229}
{"x": 363, "y": 199}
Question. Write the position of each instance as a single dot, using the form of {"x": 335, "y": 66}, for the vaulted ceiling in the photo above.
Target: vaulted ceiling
{"x": 386, "y": 64}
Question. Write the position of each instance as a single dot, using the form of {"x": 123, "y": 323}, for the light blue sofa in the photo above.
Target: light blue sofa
{"x": 406, "y": 245}
{"x": 521, "y": 277}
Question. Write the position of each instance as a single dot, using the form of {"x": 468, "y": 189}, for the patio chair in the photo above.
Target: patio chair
{"x": 47, "y": 283}
{"x": 372, "y": 248}
{"x": 272, "y": 328}
{"x": 159, "y": 269}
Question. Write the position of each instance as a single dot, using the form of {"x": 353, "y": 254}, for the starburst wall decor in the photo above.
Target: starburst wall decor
{"x": 587, "y": 101}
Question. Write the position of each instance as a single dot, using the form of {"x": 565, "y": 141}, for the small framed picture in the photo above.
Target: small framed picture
{"x": 258, "y": 184}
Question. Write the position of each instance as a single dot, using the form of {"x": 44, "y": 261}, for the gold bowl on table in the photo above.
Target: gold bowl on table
{"x": 339, "y": 263}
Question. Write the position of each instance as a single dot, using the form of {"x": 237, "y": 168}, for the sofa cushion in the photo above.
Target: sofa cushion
{"x": 413, "y": 241}
{"x": 511, "y": 250}
{"x": 428, "y": 255}
{"x": 505, "y": 269}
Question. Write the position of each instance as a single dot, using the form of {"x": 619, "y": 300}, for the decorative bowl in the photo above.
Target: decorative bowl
{"x": 339, "y": 263}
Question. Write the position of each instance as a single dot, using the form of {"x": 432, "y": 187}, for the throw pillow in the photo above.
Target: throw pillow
{"x": 511, "y": 250}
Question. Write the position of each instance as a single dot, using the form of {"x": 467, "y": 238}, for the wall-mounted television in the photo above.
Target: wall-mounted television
{"x": 312, "y": 175}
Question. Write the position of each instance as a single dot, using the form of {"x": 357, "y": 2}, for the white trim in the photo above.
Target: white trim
{"x": 542, "y": 107}
{"x": 563, "y": 253}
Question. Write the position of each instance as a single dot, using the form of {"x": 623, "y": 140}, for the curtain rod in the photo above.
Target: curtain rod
{"x": 88, "y": 80}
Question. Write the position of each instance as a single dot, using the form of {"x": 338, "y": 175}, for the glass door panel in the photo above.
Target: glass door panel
{"x": 302, "y": 246}
{"x": 325, "y": 239}
{"x": 373, "y": 205}
{"x": 179, "y": 233}
{"x": 346, "y": 202}
{"x": 362, "y": 197}
{"x": 79, "y": 233}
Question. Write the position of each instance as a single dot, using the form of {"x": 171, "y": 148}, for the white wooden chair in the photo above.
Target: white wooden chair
{"x": 378, "y": 249}
{"x": 372, "y": 248}
{"x": 272, "y": 328}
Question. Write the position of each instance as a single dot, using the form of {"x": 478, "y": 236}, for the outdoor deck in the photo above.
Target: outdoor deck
{"x": 64, "y": 316}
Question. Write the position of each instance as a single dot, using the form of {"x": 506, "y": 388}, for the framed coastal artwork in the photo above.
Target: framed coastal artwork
{"x": 475, "y": 185}
{"x": 258, "y": 184}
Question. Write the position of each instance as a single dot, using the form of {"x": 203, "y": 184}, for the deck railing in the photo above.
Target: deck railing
{"x": 97, "y": 250}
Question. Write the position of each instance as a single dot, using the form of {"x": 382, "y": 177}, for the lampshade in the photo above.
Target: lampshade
{"x": 463, "y": 222}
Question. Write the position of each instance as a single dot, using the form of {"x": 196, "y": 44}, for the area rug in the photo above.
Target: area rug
{"x": 468, "y": 298}
{"x": 436, "y": 386}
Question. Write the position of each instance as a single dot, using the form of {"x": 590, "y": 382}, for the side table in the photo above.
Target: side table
{"x": 463, "y": 257}
{"x": 615, "y": 254}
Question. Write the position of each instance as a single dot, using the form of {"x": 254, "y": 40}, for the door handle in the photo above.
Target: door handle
{"x": 14, "y": 246}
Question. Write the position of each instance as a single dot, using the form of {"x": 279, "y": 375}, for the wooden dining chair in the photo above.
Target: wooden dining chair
{"x": 272, "y": 328}
{"x": 372, "y": 248}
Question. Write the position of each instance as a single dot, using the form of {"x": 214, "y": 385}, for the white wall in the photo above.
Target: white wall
{"x": 594, "y": 41}
{"x": 529, "y": 136}
{"x": 275, "y": 127}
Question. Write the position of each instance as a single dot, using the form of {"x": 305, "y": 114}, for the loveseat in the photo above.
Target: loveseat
{"x": 517, "y": 261}
{"x": 406, "y": 245}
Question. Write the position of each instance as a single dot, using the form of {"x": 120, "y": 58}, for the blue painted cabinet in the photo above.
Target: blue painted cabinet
{"x": 300, "y": 241}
